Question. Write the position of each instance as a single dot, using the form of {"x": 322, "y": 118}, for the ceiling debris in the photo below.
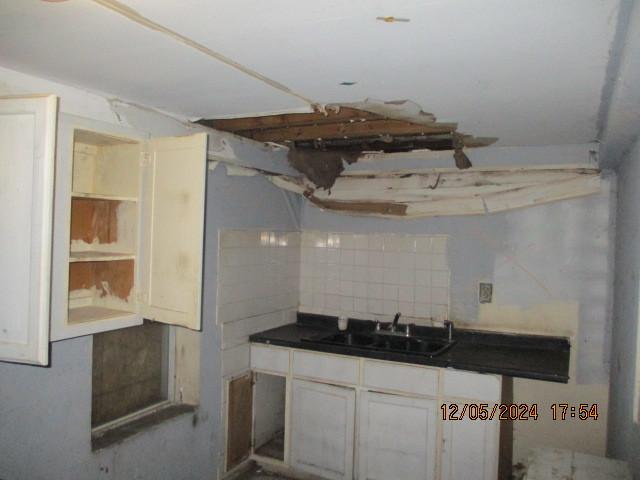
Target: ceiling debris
{"x": 396, "y": 126}
{"x": 321, "y": 168}
{"x": 321, "y": 142}
{"x": 439, "y": 192}
{"x": 461, "y": 159}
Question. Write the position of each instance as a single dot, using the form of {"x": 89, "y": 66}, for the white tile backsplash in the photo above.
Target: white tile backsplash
{"x": 259, "y": 282}
{"x": 369, "y": 276}
{"x": 266, "y": 276}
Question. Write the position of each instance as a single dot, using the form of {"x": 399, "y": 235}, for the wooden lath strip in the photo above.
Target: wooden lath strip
{"x": 239, "y": 125}
{"x": 366, "y": 207}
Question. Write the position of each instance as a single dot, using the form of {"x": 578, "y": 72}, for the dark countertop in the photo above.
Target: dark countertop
{"x": 526, "y": 356}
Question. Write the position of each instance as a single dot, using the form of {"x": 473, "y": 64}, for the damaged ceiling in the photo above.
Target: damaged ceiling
{"x": 522, "y": 74}
{"x": 373, "y": 126}
{"x": 321, "y": 142}
{"x": 528, "y": 73}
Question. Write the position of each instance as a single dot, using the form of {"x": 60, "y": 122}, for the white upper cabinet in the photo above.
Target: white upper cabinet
{"x": 27, "y": 153}
{"x": 129, "y": 229}
{"x": 175, "y": 235}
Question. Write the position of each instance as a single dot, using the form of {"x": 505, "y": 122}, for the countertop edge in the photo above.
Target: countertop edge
{"x": 425, "y": 361}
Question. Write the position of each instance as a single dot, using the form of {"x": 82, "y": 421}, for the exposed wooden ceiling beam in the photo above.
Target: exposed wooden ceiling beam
{"x": 349, "y": 130}
{"x": 399, "y": 143}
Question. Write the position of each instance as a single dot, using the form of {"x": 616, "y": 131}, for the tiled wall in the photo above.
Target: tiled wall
{"x": 265, "y": 276}
{"x": 258, "y": 282}
{"x": 374, "y": 276}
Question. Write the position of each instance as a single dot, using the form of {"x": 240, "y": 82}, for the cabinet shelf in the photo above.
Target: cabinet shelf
{"x": 92, "y": 314}
{"x": 99, "y": 196}
{"x": 91, "y": 256}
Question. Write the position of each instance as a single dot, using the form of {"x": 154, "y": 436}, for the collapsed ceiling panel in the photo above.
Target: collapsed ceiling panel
{"x": 439, "y": 192}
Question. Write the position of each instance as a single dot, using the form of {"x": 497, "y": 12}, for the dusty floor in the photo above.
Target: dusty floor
{"x": 257, "y": 473}
{"x": 274, "y": 448}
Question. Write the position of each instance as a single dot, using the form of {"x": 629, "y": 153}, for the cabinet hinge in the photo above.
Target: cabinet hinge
{"x": 145, "y": 159}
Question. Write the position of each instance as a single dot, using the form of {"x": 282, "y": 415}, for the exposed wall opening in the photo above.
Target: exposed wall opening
{"x": 142, "y": 376}
{"x": 130, "y": 371}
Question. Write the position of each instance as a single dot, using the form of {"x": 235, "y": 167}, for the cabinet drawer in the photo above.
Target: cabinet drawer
{"x": 402, "y": 378}
{"x": 270, "y": 358}
{"x": 472, "y": 385}
{"x": 325, "y": 367}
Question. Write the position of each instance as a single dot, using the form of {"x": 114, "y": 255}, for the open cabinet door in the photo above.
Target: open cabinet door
{"x": 27, "y": 153}
{"x": 175, "y": 181}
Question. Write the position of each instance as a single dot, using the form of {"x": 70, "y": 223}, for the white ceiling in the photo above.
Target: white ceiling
{"x": 528, "y": 72}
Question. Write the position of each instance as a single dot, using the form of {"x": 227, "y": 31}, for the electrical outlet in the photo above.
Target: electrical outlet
{"x": 485, "y": 292}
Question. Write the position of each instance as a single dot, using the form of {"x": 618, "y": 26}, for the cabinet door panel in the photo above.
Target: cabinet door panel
{"x": 397, "y": 437}
{"x": 175, "y": 201}
{"x": 322, "y": 425}
{"x": 27, "y": 153}
{"x": 470, "y": 449}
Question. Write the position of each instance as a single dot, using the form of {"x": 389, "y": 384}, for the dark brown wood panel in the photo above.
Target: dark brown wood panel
{"x": 118, "y": 276}
{"x": 383, "y": 208}
{"x": 239, "y": 420}
{"x": 93, "y": 219}
{"x": 237, "y": 125}
{"x": 505, "y": 462}
{"x": 348, "y": 129}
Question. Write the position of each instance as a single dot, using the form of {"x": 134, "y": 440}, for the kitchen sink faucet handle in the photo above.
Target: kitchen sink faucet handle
{"x": 394, "y": 324}
{"x": 448, "y": 324}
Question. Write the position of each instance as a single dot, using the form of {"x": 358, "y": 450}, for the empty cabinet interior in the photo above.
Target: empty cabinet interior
{"x": 104, "y": 227}
{"x": 269, "y": 415}
{"x": 240, "y": 399}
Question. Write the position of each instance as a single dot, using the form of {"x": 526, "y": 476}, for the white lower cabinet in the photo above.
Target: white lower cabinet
{"x": 470, "y": 449}
{"x": 322, "y": 429}
{"x": 397, "y": 437}
{"x": 395, "y": 431}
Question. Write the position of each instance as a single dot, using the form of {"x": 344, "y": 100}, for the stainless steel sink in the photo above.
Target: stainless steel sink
{"x": 349, "y": 338}
{"x": 416, "y": 345}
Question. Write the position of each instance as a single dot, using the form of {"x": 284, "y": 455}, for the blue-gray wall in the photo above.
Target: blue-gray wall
{"x": 552, "y": 270}
{"x": 624, "y": 434}
{"x": 549, "y": 254}
{"x": 45, "y": 413}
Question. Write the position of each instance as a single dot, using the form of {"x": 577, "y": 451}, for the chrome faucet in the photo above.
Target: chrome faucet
{"x": 448, "y": 324}
{"x": 394, "y": 324}
{"x": 392, "y": 328}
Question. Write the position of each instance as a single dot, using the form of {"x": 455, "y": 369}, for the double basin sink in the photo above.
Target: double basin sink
{"x": 428, "y": 346}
